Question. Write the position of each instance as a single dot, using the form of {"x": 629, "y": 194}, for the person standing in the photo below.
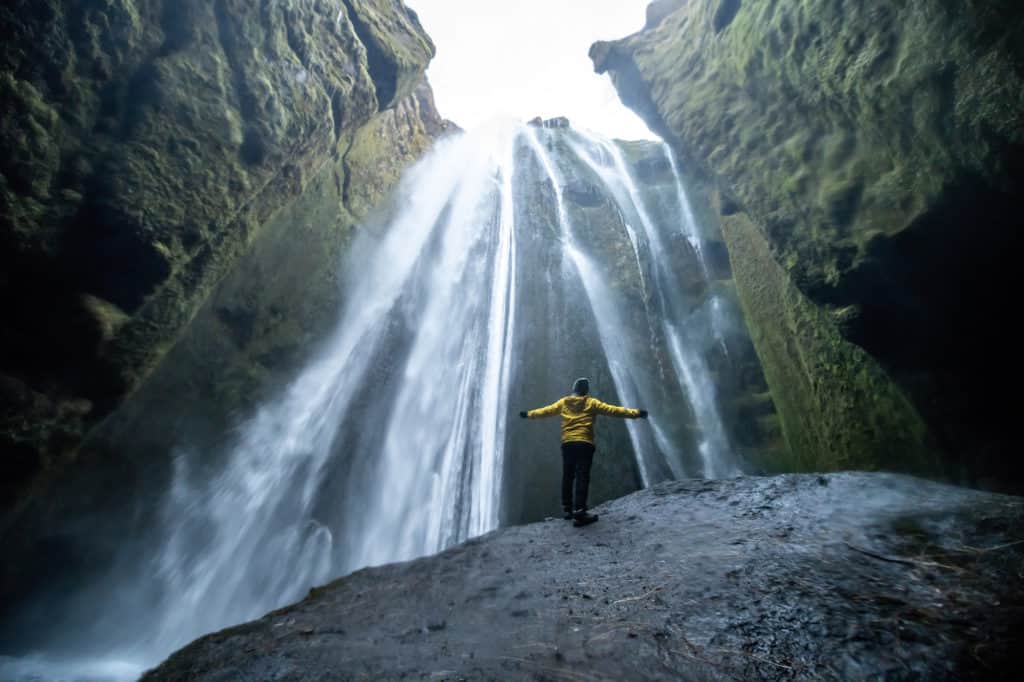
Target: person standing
{"x": 578, "y": 412}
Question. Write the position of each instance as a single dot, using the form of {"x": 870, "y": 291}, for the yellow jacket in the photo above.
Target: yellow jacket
{"x": 578, "y": 412}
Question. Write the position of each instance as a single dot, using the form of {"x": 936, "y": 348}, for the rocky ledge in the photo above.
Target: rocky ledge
{"x": 850, "y": 576}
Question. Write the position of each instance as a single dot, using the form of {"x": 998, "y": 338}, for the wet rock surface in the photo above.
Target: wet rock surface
{"x": 844, "y": 576}
{"x": 873, "y": 149}
{"x": 150, "y": 145}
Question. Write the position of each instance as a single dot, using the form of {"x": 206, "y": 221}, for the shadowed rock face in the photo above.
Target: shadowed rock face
{"x": 874, "y": 148}
{"x": 246, "y": 298}
{"x": 148, "y": 146}
{"x": 845, "y": 576}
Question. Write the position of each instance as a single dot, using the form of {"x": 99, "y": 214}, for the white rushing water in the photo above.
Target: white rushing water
{"x": 391, "y": 443}
{"x": 609, "y": 324}
{"x": 685, "y": 349}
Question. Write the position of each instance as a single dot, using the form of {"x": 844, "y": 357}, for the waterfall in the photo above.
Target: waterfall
{"x": 683, "y": 342}
{"x": 253, "y": 539}
{"x": 391, "y": 443}
{"x": 692, "y": 232}
{"x": 689, "y": 222}
{"x": 600, "y": 300}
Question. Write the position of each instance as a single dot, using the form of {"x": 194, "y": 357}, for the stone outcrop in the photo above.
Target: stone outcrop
{"x": 867, "y": 155}
{"x": 151, "y": 145}
{"x": 844, "y": 576}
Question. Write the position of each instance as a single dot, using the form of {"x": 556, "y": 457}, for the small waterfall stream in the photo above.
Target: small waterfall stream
{"x": 391, "y": 444}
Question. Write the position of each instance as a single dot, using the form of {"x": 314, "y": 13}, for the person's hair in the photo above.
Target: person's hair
{"x": 581, "y": 386}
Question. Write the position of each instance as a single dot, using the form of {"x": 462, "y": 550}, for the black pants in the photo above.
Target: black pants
{"x": 577, "y": 456}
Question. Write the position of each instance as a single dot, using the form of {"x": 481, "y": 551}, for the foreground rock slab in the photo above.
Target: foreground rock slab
{"x": 844, "y": 576}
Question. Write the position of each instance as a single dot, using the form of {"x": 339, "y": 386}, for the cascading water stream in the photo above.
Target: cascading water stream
{"x": 438, "y": 471}
{"x": 692, "y": 232}
{"x": 608, "y": 323}
{"x": 391, "y": 443}
{"x": 260, "y": 513}
{"x": 689, "y": 365}
{"x": 689, "y": 221}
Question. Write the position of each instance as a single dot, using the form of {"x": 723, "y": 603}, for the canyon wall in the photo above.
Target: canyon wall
{"x": 155, "y": 148}
{"x": 867, "y": 156}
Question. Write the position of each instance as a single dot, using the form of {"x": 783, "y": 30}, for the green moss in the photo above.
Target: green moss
{"x": 258, "y": 324}
{"x": 373, "y": 160}
{"x": 837, "y": 407}
{"x": 397, "y": 47}
{"x": 797, "y": 183}
{"x": 801, "y": 107}
{"x": 799, "y": 146}
{"x": 858, "y": 137}
{"x": 28, "y": 133}
{"x": 836, "y": 149}
{"x": 840, "y": 197}
{"x": 157, "y": 145}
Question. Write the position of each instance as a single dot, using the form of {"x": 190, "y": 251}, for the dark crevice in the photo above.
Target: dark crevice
{"x": 142, "y": 95}
{"x": 337, "y": 111}
{"x": 346, "y": 180}
{"x": 725, "y": 13}
{"x": 253, "y": 150}
{"x": 932, "y": 303}
{"x": 383, "y": 70}
{"x": 294, "y": 44}
{"x": 229, "y": 44}
{"x": 177, "y": 25}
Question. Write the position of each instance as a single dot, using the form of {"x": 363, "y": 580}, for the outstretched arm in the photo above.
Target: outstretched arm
{"x": 547, "y": 411}
{"x": 616, "y": 411}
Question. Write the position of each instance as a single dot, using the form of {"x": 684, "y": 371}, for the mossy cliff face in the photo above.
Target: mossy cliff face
{"x": 833, "y": 399}
{"x": 148, "y": 146}
{"x": 868, "y": 154}
{"x": 259, "y": 324}
{"x": 254, "y": 331}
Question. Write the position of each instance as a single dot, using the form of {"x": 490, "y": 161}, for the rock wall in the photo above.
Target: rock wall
{"x": 248, "y": 295}
{"x": 255, "y": 330}
{"x": 258, "y": 325}
{"x": 875, "y": 149}
{"x": 149, "y": 146}
{"x": 833, "y": 399}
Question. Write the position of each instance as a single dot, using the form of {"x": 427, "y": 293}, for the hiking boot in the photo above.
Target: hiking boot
{"x": 582, "y": 518}
{"x": 568, "y": 516}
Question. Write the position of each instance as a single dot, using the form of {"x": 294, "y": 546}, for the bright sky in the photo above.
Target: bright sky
{"x": 528, "y": 58}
